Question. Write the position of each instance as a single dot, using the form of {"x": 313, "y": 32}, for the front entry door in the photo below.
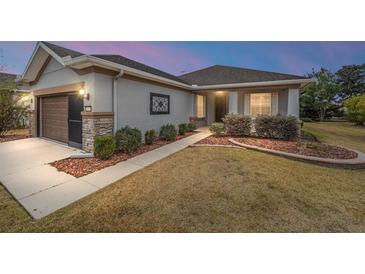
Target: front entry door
{"x": 220, "y": 107}
{"x": 75, "y": 106}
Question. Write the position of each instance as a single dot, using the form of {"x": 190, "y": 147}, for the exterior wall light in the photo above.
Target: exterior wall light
{"x": 84, "y": 94}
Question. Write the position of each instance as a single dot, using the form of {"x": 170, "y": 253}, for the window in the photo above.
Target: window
{"x": 200, "y": 106}
{"x": 260, "y": 103}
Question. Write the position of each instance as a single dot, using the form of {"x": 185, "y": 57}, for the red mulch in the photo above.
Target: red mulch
{"x": 301, "y": 147}
{"x": 85, "y": 166}
{"x": 8, "y": 138}
{"x": 213, "y": 140}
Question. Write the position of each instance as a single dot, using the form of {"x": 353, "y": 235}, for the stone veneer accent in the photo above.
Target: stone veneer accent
{"x": 33, "y": 123}
{"x": 95, "y": 124}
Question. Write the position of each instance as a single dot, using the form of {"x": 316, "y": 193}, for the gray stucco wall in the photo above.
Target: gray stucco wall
{"x": 283, "y": 102}
{"x": 56, "y": 75}
{"x": 134, "y": 105}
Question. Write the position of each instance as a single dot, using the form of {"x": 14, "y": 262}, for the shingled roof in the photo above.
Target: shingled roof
{"x": 214, "y": 75}
{"x": 61, "y": 51}
{"x": 136, "y": 65}
{"x": 217, "y": 75}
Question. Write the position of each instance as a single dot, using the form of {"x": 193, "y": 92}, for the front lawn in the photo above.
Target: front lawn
{"x": 339, "y": 133}
{"x": 205, "y": 189}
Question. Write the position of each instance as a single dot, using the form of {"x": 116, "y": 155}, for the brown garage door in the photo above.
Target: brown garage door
{"x": 55, "y": 118}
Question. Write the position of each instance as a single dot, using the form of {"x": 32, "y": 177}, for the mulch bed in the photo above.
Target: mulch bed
{"x": 85, "y": 166}
{"x": 314, "y": 149}
{"x": 8, "y": 138}
{"x": 301, "y": 147}
{"x": 212, "y": 140}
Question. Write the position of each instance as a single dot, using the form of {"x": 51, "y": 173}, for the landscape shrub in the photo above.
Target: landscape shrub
{"x": 128, "y": 139}
{"x": 104, "y": 147}
{"x": 237, "y": 124}
{"x": 12, "y": 109}
{"x": 149, "y": 137}
{"x": 183, "y": 128}
{"x": 278, "y": 127}
{"x": 192, "y": 126}
{"x": 217, "y": 129}
{"x": 356, "y": 109}
{"x": 168, "y": 132}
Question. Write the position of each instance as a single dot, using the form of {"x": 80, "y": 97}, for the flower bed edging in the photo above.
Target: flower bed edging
{"x": 209, "y": 145}
{"x": 359, "y": 161}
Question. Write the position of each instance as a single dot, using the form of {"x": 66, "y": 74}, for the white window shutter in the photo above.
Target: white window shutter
{"x": 247, "y": 104}
{"x": 274, "y": 103}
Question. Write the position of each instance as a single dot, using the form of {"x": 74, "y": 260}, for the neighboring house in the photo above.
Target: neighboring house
{"x": 78, "y": 96}
{"x": 21, "y": 95}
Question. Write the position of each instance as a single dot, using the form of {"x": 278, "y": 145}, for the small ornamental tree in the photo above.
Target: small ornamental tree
{"x": 319, "y": 97}
{"x": 355, "y": 107}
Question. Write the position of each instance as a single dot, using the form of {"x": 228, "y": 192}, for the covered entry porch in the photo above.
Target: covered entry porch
{"x": 212, "y": 105}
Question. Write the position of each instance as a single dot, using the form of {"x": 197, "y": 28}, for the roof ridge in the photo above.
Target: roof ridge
{"x": 258, "y": 70}
{"x": 176, "y": 78}
{"x": 241, "y": 68}
{"x": 54, "y": 47}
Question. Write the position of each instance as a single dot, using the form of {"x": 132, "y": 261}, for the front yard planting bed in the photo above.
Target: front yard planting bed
{"x": 214, "y": 140}
{"x": 84, "y": 166}
{"x": 313, "y": 149}
{"x": 300, "y": 147}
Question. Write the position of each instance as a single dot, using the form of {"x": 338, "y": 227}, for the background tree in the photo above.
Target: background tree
{"x": 319, "y": 97}
{"x": 12, "y": 107}
{"x": 355, "y": 107}
{"x": 351, "y": 81}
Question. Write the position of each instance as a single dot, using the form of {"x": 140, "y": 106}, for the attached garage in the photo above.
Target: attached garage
{"x": 60, "y": 118}
{"x": 54, "y": 115}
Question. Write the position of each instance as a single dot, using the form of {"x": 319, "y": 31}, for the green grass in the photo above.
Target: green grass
{"x": 340, "y": 133}
{"x": 212, "y": 190}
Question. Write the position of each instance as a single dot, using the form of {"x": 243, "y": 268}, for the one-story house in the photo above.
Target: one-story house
{"x": 78, "y": 96}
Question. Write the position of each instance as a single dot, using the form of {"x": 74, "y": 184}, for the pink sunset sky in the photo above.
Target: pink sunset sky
{"x": 180, "y": 57}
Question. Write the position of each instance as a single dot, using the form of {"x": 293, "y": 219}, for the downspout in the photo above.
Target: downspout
{"x": 115, "y": 98}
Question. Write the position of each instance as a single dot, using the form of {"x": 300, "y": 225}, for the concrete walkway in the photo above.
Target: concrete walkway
{"x": 41, "y": 189}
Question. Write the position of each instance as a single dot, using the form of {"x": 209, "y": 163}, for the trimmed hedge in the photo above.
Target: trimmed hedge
{"x": 183, "y": 128}
{"x": 104, "y": 147}
{"x": 217, "y": 129}
{"x": 277, "y": 127}
{"x": 128, "y": 139}
{"x": 168, "y": 132}
{"x": 192, "y": 126}
{"x": 237, "y": 124}
{"x": 149, "y": 137}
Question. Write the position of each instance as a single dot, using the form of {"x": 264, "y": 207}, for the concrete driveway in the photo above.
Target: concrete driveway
{"x": 41, "y": 189}
{"x": 25, "y": 173}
